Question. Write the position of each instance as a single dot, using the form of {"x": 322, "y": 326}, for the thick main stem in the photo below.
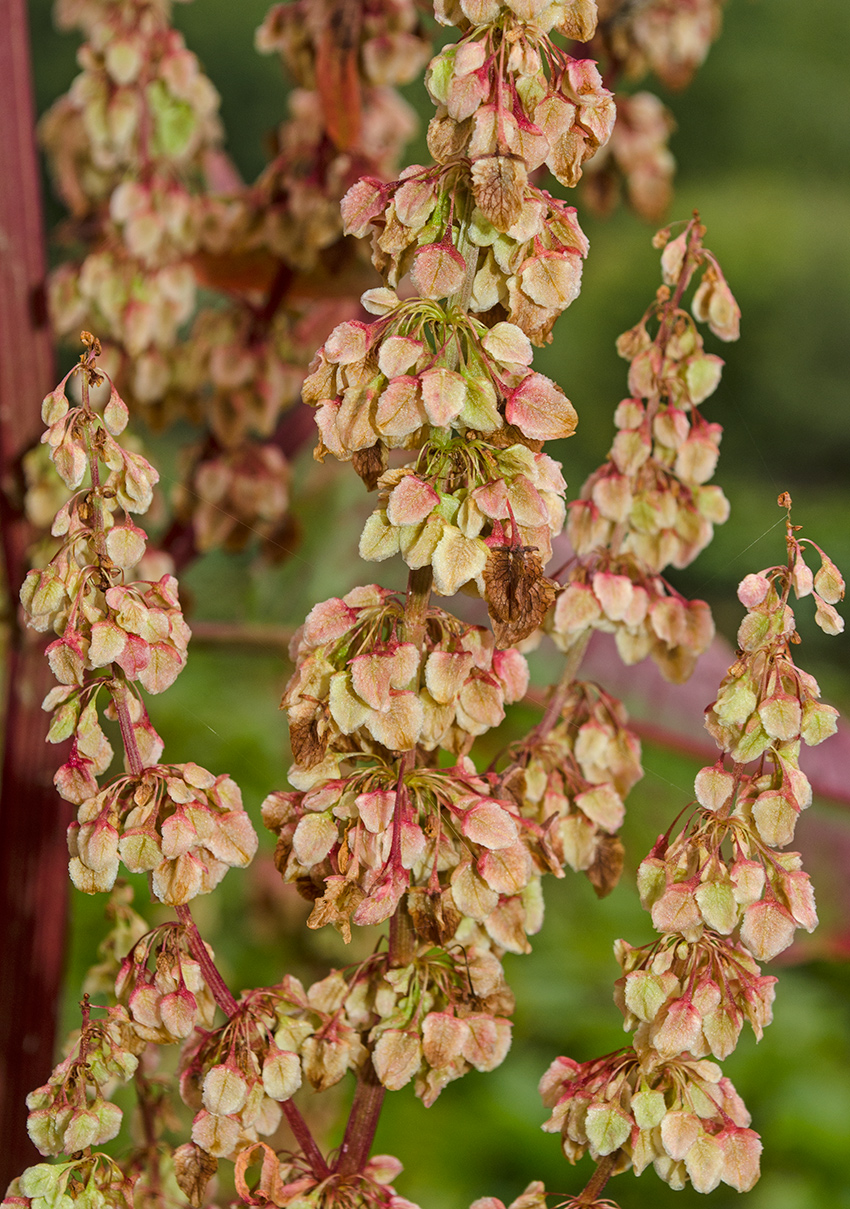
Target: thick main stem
{"x": 416, "y": 605}
{"x": 402, "y": 938}
{"x": 594, "y": 1186}
{"x": 362, "y": 1122}
{"x": 34, "y": 854}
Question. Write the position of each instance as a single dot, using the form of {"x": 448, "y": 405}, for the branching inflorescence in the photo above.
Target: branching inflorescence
{"x": 165, "y": 221}
{"x": 390, "y": 818}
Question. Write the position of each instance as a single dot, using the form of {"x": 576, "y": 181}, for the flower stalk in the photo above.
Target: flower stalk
{"x": 362, "y": 1122}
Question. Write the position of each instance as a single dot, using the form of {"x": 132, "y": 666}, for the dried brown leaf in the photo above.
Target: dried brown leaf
{"x": 498, "y": 183}
{"x": 604, "y": 873}
{"x": 509, "y": 434}
{"x": 518, "y": 594}
{"x": 579, "y": 22}
{"x": 309, "y": 741}
{"x": 340, "y": 899}
{"x": 435, "y": 919}
{"x": 306, "y": 887}
{"x": 370, "y": 464}
{"x": 447, "y": 138}
{"x": 193, "y": 1170}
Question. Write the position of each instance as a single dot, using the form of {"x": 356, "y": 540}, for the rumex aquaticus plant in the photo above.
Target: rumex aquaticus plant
{"x": 391, "y": 818}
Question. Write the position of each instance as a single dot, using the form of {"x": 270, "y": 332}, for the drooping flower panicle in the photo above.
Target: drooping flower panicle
{"x": 724, "y": 897}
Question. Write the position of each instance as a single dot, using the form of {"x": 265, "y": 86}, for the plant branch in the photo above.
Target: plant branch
{"x": 220, "y": 990}
{"x": 401, "y": 935}
{"x": 118, "y": 692}
{"x": 594, "y": 1186}
{"x": 369, "y": 1096}
{"x": 301, "y": 1132}
{"x": 556, "y": 702}
{"x": 469, "y": 251}
{"x": 362, "y": 1122}
{"x": 238, "y": 633}
{"x": 147, "y": 1112}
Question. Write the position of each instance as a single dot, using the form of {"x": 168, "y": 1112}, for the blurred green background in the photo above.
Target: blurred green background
{"x": 762, "y": 145}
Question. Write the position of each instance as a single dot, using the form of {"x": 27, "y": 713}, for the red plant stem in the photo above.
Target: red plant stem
{"x": 224, "y": 998}
{"x": 369, "y": 1096}
{"x": 118, "y": 691}
{"x": 301, "y": 1132}
{"x": 401, "y": 938}
{"x": 597, "y": 1181}
{"x": 147, "y": 1112}
{"x": 26, "y": 350}
{"x": 220, "y": 990}
{"x": 362, "y": 1122}
{"x": 33, "y": 855}
{"x": 682, "y": 282}
{"x": 98, "y": 528}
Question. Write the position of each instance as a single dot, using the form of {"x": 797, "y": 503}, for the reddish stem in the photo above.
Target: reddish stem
{"x": 369, "y": 1096}
{"x": 33, "y": 856}
{"x": 685, "y": 274}
{"x": 147, "y": 1112}
{"x": 220, "y": 990}
{"x": 118, "y": 691}
{"x": 401, "y": 937}
{"x": 594, "y": 1186}
{"x": 301, "y": 1131}
{"x": 362, "y": 1122}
